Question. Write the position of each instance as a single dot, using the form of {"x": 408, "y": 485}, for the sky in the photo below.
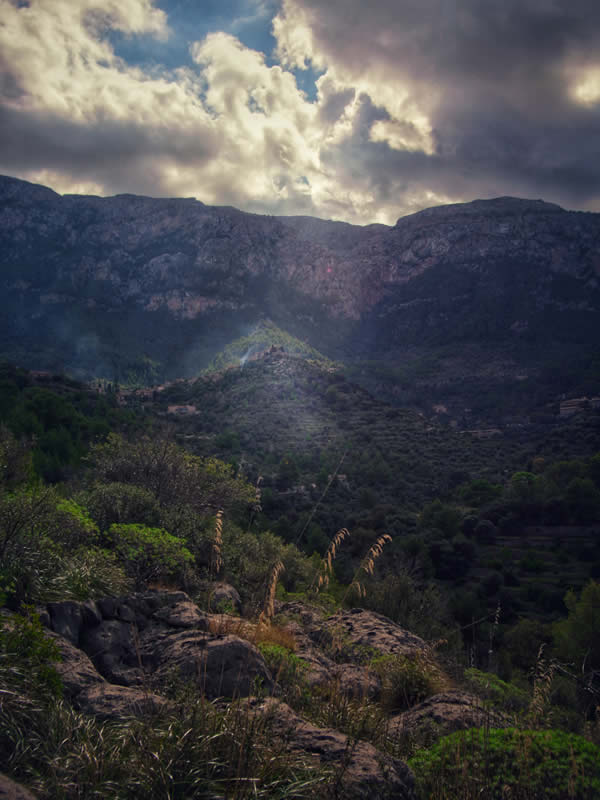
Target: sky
{"x": 341, "y": 109}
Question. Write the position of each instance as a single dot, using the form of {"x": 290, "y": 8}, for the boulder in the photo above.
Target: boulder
{"x": 360, "y": 770}
{"x": 9, "y": 790}
{"x": 358, "y": 635}
{"x": 75, "y": 669}
{"x": 113, "y": 646}
{"x": 69, "y": 617}
{"x": 152, "y": 635}
{"x": 356, "y": 682}
{"x": 319, "y": 667}
{"x": 308, "y": 616}
{"x": 445, "y": 713}
{"x": 222, "y": 666}
{"x": 108, "y": 702}
{"x": 138, "y": 608}
{"x": 224, "y": 599}
{"x": 183, "y": 614}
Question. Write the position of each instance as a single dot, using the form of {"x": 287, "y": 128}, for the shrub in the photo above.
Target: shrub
{"x": 112, "y": 503}
{"x": 408, "y": 680}
{"x": 522, "y": 765}
{"x": 500, "y": 693}
{"x": 286, "y": 667}
{"x": 88, "y": 573}
{"x": 27, "y": 657}
{"x": 578, "y": 637}
{"x": 148, "y": 553}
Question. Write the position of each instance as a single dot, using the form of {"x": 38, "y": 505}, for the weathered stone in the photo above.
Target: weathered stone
{"x": 357, "y": 635}
{"x": 224, "y": 598}
{"x": 356, "y": 681}
{"x": 222, "y": 666}
{"x": 445, "y": 713}
{"x": 9, "y": 790}
{"x": 183, "y": 614}
{"x": 360, "y": 770}
{"x": 109, "y": 702}
{"x": 114, "y": 648}
{"x": 76, "y": 670}
{"x": 308, "y": 616}
{"x": 66, "y": 619}
{"x": 69, "y": 616}
{"x": 318, "y": 667}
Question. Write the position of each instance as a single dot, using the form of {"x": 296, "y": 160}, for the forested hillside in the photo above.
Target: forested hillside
{"x": 282, "y": 513}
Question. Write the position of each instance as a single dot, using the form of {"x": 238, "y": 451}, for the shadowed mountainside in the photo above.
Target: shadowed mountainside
{"x": 136, "y": 288}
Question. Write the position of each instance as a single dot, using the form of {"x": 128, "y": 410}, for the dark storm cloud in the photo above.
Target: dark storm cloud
{"x": 414, "y": 102}
{"x": 121, "y": 152}
{"x": 333, "y": 107}
{"x": 496, "y": 80}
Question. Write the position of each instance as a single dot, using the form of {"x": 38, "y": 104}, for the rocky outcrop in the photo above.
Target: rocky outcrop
{"x": 109, "y": 702}
{"x": 146, "y": 640}
{"x": 445, "y": 713}
{"x": 9, "y": 790}
{"x": 224, "y": 599}
{"x": 359, "y": 635}
{"x": 311, "y": 634}
{"x": 121, "y": 653}
{"x": 360, "y": 770}
{"x": 75, "y": 668}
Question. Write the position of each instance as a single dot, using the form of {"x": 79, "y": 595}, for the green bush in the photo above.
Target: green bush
{"x": 496, "y": 764}
{"x": 148, "y": 553}
{"x": 120, "y": 503}
{"x": 27, "y": 658}
{"x": 286, "y": 667}
{"x": 501, "y": 694}
{"x": 407, "y": 680}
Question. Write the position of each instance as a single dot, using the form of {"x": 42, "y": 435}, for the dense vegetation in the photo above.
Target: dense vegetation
{"x": 92, "y": 505}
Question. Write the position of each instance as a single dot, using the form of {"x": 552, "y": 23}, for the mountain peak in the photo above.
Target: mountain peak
{"x": 495, "y": 206}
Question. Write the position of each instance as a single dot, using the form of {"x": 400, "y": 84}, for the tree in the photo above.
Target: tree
{"x": 577, "y": 638}
{"x": 172, "y": 475}
{"x": 583, "y": 500}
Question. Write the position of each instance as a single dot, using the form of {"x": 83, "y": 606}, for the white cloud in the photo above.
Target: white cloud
{"x": 232, "y": 131}
{"x": 415, "y": 105}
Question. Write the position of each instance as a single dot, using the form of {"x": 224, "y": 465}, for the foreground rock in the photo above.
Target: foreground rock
{"x": 445, "y": 713}
{"x": 147, "y": 640}
{"x": 352, "y": 680}
{"x": 75, "y": 669}
{"x": 109, "y": 702}
{"x": 9, "y": 790}
{"x": 224, "y": 599}
{"x": 360, "y": 770}
{"x": 359, "y": 635}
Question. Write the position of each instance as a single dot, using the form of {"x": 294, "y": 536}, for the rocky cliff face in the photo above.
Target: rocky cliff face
{"x": 90, "y": 274}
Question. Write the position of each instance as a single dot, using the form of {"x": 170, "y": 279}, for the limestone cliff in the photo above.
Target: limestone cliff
{"x": 92, "y": 277}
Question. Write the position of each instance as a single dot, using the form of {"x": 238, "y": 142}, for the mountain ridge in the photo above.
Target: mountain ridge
{"x": 92, "y": 284}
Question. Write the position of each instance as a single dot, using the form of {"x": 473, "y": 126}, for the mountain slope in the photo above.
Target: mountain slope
{"x": 105, "y": 286}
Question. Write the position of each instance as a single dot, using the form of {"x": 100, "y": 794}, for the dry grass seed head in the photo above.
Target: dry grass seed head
{"x": 326, "y": 567}
{"x": 367, "y": 565}
{"x": 542, "y": 683}
{"x": 266, "y": 615}
{"x": 217, "y": 558}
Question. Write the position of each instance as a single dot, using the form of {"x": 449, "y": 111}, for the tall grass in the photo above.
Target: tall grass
{"x": 367, "y": 567}
{"x": 321, "y": 580}
{"x": 268, "y": 611}
{"x": 216, "y": 559}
